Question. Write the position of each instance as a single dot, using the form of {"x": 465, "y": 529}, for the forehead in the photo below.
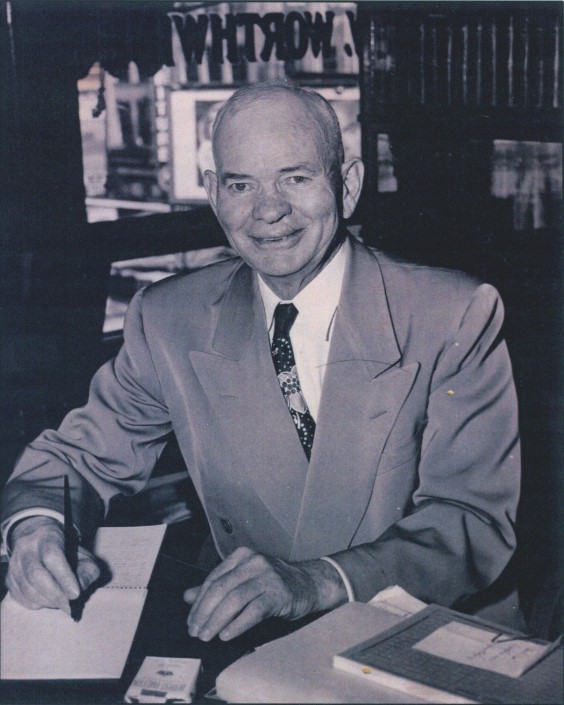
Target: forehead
{"x": 273, "y": 132}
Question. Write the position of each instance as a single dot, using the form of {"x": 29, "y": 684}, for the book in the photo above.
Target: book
{"x": 47, "y": 644}
{"x": 447, "y": 657}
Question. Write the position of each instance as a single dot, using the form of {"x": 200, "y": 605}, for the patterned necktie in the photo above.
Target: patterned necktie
{"x": 285, "y": 366}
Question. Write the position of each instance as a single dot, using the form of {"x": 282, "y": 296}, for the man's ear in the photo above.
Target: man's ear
{"x": 210, "y": 184}
{"x": 353, "y": 176}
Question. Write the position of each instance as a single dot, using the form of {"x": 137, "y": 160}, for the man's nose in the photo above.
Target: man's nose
{"x": 271, "y": 207}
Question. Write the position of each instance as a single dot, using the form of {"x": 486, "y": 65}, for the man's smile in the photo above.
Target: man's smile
{"x": 267, "y": 240}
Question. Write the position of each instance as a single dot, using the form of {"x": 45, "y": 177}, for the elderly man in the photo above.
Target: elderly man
{"x": 349, "y": 421}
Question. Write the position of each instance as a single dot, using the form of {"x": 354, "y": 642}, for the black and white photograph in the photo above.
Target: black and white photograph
{"x": 281, "y": 352}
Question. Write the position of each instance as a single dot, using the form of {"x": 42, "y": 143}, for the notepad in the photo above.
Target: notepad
{"x": 47, "y": 644}
{"x": 427, "y": 655}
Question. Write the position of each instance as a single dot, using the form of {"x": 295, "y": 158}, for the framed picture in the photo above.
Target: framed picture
{"x": 192, "y": 114}
{"x": 346, "y": 103}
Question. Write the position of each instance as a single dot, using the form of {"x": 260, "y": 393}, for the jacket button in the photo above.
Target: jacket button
{"x": 227, "y": 527}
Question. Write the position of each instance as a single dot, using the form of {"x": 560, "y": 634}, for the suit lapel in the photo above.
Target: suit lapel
{"x": 239, "y": 380}
{"x": 363, "y": 390}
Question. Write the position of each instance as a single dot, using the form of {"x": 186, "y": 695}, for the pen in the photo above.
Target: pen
{"x": 71, "y": 548}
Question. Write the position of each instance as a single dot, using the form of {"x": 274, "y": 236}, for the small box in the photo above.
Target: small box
{"x": 164, "y": 680}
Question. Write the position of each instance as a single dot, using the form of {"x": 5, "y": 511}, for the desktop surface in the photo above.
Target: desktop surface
{"x": 162, "y": 631}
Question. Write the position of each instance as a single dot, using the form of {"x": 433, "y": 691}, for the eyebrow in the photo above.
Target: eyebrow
{"x": 230, "y": 175}
{"x": 300, "y": 167}
{"x": 234, "y": 176}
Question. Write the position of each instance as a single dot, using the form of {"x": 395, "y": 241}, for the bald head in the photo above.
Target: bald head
{"x": 309, "y": 107}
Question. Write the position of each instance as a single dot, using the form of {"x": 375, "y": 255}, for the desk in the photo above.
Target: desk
{"x": 162, "y": 631}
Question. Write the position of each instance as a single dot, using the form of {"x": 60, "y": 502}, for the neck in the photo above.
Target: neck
{"x": 286, "y": 288}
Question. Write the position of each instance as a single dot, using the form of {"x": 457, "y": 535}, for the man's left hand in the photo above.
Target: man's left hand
{"x": 249, "y": 587}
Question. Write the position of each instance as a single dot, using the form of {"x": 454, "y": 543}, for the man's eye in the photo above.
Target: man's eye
{"x": 298, "y": 179}
{"x": 239, "y": 187}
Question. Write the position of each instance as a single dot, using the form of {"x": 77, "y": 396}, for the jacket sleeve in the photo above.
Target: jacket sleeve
{"x": 459, "y": 534}
{"x": 107, "y": 447}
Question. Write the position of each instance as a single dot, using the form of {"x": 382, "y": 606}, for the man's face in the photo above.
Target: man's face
{"x": 272, "y": 193}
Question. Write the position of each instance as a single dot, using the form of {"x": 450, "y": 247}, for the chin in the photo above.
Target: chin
{"x": 281, "y": 269}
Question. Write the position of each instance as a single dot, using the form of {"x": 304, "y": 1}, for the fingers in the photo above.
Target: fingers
{"x": 253, "y": 613}
{"x": 245, "y": 589}
{"x": 33, "y": 585}
{"x": 28, "y": 596}
{"x": 51, "y": 573}
{"x": 215, "y": 588}
{"x": 235, "y": 559}
{"x": 38, "y": 573}
{"x": 88, "y": 570}
{"x": 191, "y": 594}
{"x": 243, "y": 608}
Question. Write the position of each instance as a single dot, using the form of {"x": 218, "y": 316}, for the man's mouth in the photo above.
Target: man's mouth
{"x": 266, "y": 240}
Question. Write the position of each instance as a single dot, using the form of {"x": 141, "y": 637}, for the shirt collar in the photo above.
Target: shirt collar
{"x": 318, "y": 300}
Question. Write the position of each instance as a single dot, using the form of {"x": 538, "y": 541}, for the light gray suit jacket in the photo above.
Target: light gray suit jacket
{"x": 414, "y": 475}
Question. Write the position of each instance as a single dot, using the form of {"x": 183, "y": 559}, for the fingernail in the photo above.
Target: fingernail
{"x": 87, "y": 580}
{"x": 205, "y": 635}
{"x": 74, "y": 593}
{"x": 193, "y": 631}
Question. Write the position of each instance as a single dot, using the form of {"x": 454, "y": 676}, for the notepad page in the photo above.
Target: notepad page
{"x": 130, "y": 552}
{"x": 47, "y": 644}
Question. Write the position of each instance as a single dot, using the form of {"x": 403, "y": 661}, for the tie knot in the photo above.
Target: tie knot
{"x": 284, "y": 317}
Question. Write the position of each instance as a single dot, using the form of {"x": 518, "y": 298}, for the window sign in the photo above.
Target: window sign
{"x": 146, "y": 150}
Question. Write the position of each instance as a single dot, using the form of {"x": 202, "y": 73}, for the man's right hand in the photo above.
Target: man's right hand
{"x": 38, "y": 573}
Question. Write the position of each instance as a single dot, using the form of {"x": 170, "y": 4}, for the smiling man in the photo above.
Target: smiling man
{"x": 349, "y": 421}
{"x": 276, "y": 193}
